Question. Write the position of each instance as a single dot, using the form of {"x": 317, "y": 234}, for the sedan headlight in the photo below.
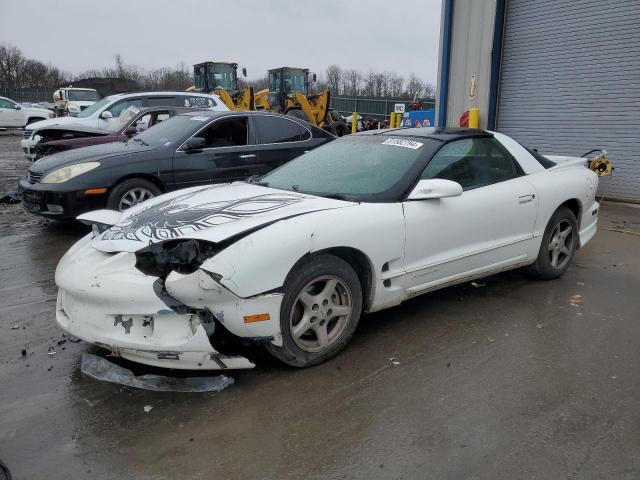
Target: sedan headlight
{"x": 67, "y": 173}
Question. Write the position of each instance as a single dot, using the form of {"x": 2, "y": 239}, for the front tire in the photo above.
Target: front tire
{"x": 320, "y": 311}
{"x": 559, "y": 244}
{"x": 130, "y": 192}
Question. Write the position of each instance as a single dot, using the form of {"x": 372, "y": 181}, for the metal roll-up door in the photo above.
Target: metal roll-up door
{"x": 570, "y": 82}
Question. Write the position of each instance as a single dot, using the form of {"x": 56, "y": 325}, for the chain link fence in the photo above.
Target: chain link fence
{"x": 34, "y": 95}
{"x": 379, "y": 108}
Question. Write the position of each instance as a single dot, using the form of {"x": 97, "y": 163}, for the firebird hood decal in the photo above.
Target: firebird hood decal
{"x": 212, "y": 213}
{"x": 175, "y": 217}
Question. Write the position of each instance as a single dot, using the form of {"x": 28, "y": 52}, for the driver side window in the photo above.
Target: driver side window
{"x": 473, "y": 163}
{"x": 227, "y": 132}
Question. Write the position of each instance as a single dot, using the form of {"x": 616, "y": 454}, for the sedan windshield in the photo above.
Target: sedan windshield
{"x": 94, "y": 107}
{"x": 361, "y": 168}
{"x": 172, "y": 131}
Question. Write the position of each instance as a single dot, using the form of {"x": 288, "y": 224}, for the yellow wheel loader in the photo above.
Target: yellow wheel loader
{"x": 221, "y": 78}
{"x": 288, "y": 93}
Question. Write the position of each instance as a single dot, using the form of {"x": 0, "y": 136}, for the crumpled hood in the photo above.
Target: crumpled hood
{"x": 50, "y": 123}
{"x": 75, "y": 127}
{"x": 213, "y": 213}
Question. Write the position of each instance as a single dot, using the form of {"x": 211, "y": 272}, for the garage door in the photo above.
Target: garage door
{"x": 570, "y": 82}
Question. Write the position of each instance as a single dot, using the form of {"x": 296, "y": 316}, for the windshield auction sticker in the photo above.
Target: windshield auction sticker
{"x": 396, "y": 142}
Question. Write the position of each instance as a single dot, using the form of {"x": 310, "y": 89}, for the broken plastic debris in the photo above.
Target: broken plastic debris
{"x": 51, "y": 352}
{"x": 102, "y": 369}
{"x": 10, "y": 198}
{"x": 147, "y": 408}
{"x": 575, "y": 300}
{"x": 394, "y": 361}
{"x": 478, "y": 284}
{"x": 15, "y": 327}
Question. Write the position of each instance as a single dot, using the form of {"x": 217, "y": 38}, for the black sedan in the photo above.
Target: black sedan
{"x": 190, "y": 149}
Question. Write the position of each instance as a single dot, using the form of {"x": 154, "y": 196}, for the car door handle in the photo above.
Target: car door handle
{"x": 522, "y": 199}
{"x": 248, "y": 155}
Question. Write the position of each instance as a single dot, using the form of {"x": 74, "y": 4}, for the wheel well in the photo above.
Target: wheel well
{"x": 574, "y": 205}
{"x": 362, "y": 266}
{"x": 145, "y": 176}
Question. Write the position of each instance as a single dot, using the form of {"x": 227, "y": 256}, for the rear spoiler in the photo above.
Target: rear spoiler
{"x": 600, "y": 164}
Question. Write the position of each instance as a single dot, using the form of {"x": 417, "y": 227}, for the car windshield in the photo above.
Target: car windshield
{"x": 91, "y": 109}
{"x": 172, "y": 131}
{"x": 361, "y": 168}
{"x": 123, "y": 120}
{"x": 83, "y": 95}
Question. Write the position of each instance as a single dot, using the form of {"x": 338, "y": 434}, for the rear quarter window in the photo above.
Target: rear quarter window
{"x": 272, "y": 129}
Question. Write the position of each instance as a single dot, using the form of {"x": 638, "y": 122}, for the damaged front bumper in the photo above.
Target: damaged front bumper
{"x": 103, "y": 299}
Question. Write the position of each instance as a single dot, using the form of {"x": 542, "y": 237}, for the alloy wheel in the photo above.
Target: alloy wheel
{"x": 133, "y": 197}
{"x": 320, "y": 313}
{"x": 561, "y": 244}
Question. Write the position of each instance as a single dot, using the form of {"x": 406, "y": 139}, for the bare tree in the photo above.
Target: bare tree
{"x": 334, "y": 79}
{"x": 351, "y": 82}
{"x": 11, "y": 66}
{"x": 17, "y": 72}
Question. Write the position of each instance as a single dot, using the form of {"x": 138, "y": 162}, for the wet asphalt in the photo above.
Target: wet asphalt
{"x": 511, "y": 378}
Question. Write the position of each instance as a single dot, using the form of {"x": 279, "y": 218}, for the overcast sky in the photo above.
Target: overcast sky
{"x": 77, "y": 35}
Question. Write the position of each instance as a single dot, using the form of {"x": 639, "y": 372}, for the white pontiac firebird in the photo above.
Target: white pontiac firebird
{"x": 189, "y": 278}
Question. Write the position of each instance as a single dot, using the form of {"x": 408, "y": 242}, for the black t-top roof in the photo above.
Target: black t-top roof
{"x": 448, "y": 134}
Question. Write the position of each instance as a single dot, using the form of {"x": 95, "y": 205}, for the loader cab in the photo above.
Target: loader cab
{"x": 286, "y": 80}
{"x": 211, "y": 75}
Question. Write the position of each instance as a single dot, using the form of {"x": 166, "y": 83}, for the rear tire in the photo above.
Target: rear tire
{"x": 320, "y": 311}
{"x": 339, "y": 128}
{"x": 559, "y": 244}
{"x": 130, "y": 192}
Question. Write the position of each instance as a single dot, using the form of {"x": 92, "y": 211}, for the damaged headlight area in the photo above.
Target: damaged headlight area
{"x": 181, "y": 256}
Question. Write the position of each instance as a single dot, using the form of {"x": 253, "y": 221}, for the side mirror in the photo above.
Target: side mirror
{"x": 18, "y": 107}
{"x": 244, "y": 72}
{"x": 314, "y": 77}
{"x": 130, "y": 131}
{"x": 195, "y": 143}
{"x": 435, "y": 188}
{"x": 106, "y": 115}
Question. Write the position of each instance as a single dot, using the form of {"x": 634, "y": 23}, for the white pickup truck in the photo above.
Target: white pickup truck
{"x": 71, "y": 101}
{"x": 14, "y": 115}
